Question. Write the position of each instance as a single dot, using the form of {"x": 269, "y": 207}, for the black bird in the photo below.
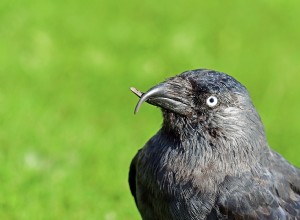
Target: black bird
{"x": 210, "y": 159}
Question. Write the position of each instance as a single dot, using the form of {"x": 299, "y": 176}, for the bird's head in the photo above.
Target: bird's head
{"x": 205, "y": 101}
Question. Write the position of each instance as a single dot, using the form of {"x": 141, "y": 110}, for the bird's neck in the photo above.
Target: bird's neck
{"x": 214, "y": 150}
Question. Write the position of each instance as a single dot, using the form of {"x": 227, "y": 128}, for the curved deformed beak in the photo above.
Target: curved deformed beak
{"x": 165, "y": 96}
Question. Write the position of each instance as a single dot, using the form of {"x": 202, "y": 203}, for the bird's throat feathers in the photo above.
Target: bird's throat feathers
{"x": 206, "y": 141}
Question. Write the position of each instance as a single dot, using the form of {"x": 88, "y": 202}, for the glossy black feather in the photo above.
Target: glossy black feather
{"x": 132, "y": 177}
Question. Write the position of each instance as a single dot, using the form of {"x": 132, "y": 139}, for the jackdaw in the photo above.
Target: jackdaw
{"x": 210, "y": 159}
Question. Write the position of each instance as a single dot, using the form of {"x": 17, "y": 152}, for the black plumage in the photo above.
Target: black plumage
{"x": 210, "y": 159}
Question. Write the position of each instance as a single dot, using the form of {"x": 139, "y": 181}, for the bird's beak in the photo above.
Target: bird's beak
{"x": 165, "y": 96}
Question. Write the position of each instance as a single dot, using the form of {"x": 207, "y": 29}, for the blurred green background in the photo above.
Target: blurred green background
{"x": 67, "y": 129}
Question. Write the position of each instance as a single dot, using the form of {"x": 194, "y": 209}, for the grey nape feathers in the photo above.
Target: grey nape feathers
{"x": 210, "y": 159}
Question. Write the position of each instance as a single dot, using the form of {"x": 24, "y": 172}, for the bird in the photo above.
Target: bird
{"x": 210, "y": 159}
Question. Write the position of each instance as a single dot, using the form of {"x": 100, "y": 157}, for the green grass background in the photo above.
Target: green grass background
{"x": 67, "y": 129}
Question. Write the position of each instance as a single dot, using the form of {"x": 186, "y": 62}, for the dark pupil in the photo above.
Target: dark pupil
{"x": 211, "y": 100}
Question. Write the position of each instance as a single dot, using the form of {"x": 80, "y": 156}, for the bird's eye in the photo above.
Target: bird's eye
{"x": 212, "y": 101}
